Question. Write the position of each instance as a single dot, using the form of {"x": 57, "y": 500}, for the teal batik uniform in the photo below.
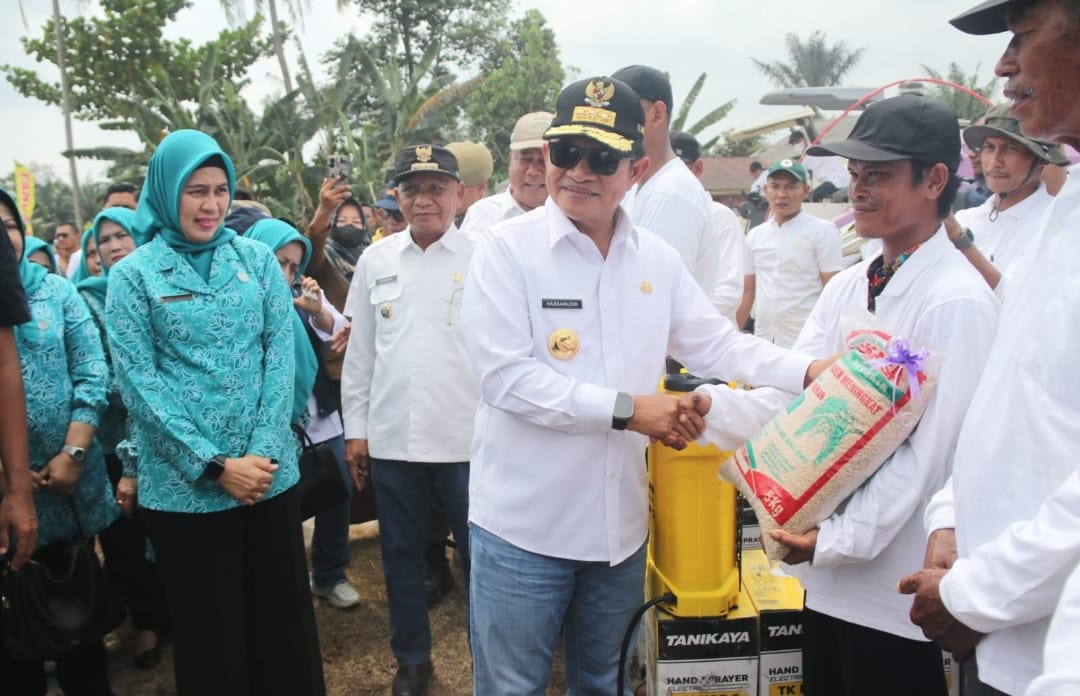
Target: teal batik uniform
{"x": 202, "y": 344}
{"x": 113, "y": 427}
{"x": 277, "y": 233}
{"x": 83, "y": 271}
{"x": 63, "y": 370}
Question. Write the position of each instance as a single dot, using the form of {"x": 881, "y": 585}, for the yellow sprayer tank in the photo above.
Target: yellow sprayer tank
{"x": 692, "y": 528}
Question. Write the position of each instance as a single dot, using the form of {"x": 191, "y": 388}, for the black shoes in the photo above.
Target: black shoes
{"x": 412, "y": 680}
{"x": 437, "y": 584}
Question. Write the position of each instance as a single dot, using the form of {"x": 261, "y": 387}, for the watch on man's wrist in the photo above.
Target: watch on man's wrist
{"x": 76, "y": 453}
{"x": 624, "y": 411}
{"x": 215, "y": 467}
{"x": 965, "y": 240}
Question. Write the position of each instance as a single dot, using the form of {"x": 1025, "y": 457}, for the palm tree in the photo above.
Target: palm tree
{"x": 811, "y": 64}
{"x": 965, "y": 106}
{"x": 235, "y": 13}
{"x": 709, "y": 119}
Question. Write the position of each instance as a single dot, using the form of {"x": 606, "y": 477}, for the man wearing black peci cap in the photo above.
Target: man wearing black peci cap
{"x": 569, "y": 312}
{"x": 407, "y": 393}
{"x": 902, "y": 159}
{"x": 1003, "y": 535}
{"x": 666, "y": 199}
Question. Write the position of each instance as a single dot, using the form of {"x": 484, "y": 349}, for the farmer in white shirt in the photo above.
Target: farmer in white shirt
{"x": 569, "y": 313}
{"x": 407, "y": 393}
{"x": 1005, "y": 534}
{"x": 903, "y": 154}
{"x": 788, "y": 260}
{"x": 527, "y": 189}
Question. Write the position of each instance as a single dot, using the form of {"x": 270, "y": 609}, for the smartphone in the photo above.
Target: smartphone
{"x": 337, "y": 167}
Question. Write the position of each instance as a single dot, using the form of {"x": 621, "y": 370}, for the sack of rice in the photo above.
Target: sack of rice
{"x": 802, "y": 465}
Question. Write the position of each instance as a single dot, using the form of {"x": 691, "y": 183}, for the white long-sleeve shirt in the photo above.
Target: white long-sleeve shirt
{"x": 673, "y": 205}
{"x": 549, "y": 474}
{"x": 406, "y": 386}
{"x": 323, "y": 428}
{"x": 1015, "y": 494}
{"x": 1061, "y": 669}
{"x": 731, "y": 248}
{"x": 938, "y": 301}
{"x": 488, "y": 212}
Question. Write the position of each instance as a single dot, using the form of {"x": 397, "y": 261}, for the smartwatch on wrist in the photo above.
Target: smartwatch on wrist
{"x": 965, "y": 240}
{"x": 215, "y": 467}
{"x": 624, "y": 411}
{"x": 76, "y": 453}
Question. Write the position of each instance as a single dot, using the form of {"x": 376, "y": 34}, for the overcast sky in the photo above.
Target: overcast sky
{"x": 685, "y": 38}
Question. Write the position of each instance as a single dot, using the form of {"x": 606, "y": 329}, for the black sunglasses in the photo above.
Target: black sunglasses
{"x": 603, "y": 161}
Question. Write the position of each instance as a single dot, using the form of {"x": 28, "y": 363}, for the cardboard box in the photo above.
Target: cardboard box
{"x": 704, "y": 656}
{"x": 748, "y": 524}
{"x": 778, "y": 600}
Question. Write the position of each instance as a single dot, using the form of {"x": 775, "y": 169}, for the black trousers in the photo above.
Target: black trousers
{"x": 237, "y": 585}
{"x": 845, "y": 659}
{"x": 136, "y": 577}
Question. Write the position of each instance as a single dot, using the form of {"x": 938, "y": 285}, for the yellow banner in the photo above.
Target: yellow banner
{"x": 24, "y": 194}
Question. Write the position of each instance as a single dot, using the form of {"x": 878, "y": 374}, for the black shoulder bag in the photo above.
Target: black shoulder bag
{"x": 321, "y": 485}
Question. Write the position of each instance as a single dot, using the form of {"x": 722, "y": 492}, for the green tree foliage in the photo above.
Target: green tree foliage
{"x": 709, "y": 119}
{"x": 524, "y": 74}
{"x": 813, "y": 63}
{"x": 964, "y": 105}
{"x": 119, "y": 60}
{"x": 726, "y": 147}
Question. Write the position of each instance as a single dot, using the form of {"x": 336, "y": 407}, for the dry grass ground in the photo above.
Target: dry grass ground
{"x": 355, "y": 643}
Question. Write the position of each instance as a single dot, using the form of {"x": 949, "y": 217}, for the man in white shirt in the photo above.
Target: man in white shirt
{"x": 1004, "y": 532}
{"x": 1005, "y": 223}
{"x": 527, "y": 188}
{"x": 789, "y": 258}
{"x": 407, "y": 393}
{"x": 569, "y": 312}
{"x": 827, "y": 174}
{"x": 667, "y": 200}
{"x": 761, "y": 176}
{"x": 729, "y": 233}
{"x": 903, "y": 158}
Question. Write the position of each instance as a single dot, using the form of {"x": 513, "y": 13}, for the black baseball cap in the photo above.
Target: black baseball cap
{"x": 685, "y": 146}
{"x": 1000, "y": 123}
{"x": 905, "y": 127}
{"x": 419, "y": 159}
{"x": 985, "y": 18}
{"x": 649, "y": 83}
{"x": 602, "y": 109}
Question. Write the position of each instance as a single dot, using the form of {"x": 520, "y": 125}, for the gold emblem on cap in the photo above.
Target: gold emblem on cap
{"x": 563, "y": 344}
{"x": 423, "y": 153}
{"x": 456, "y": 277}
{"x": 386, "y": 310}
{"x": 598, "y": 94}
{"x": 646, "y": 287}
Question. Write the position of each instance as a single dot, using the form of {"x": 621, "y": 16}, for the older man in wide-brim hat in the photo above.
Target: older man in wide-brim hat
{"x": 1003, "y": 533}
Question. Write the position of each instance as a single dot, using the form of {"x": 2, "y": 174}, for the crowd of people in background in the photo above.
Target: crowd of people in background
{"x": 488, "y": 364}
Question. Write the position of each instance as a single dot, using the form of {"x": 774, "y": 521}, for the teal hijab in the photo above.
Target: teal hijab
{"x": 276, "y": 234}
{"x": 33, "y": 245}
{"x": 98, "y": 285}
{"x": 83, "y": 271}
{"x": 176, "y": 158}
{"x": 31, "y": 274}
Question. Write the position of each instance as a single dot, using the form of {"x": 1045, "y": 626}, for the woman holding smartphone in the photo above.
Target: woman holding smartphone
{"x": 202, "y": 339}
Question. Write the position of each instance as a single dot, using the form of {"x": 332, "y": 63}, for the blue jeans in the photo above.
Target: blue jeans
{"x": 403, "y": 506}
{"x": 520, "y": 601}
{"x": 330, "y": 542}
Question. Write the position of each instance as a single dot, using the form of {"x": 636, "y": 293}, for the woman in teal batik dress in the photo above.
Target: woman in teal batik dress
{"x": 64, "y": 375}
{"x": 200, "y": 329}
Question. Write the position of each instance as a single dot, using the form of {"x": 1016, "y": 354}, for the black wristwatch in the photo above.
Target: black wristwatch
{"x": 215, "y": 467}
{"x": 965, "y": 240}
{"x": 624, "y": 411}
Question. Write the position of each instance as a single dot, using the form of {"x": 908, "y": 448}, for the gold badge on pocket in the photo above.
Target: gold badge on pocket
{"x": 646, "y": 287}
{"x": 563, "y": 344}
{"x": 386, "y": 310}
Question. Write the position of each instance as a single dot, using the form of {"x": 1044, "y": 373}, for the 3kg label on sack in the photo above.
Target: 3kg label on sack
{"x": 834, "y": 436}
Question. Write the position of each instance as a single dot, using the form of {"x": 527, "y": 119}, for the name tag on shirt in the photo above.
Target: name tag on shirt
{"x": 384, "y": 281}
{"x": 555, "y": 303}
{"x": 166, "y": 299}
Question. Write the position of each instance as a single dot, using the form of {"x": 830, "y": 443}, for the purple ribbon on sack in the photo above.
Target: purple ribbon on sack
{"x": 898, "y": 352}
